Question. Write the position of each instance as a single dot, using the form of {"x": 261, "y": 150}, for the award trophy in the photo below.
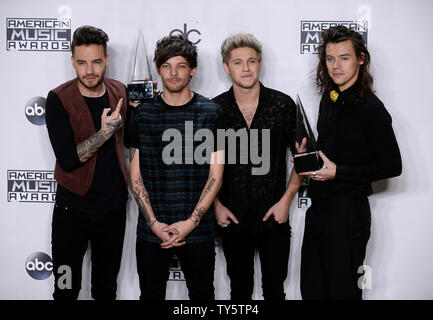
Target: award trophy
{"x": 306, "y": 157}
{"x": 139, "y": 88}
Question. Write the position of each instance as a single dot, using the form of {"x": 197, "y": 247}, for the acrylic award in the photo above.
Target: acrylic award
{"x": 306, "y": 157}
{"x": 140, "y": 87}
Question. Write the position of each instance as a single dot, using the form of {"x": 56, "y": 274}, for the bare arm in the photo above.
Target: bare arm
{"x": 210, "y": 191}
{"x": 280, "y": 210}
{"x": 142, "y": 196}
{"x": 295, "y": 183}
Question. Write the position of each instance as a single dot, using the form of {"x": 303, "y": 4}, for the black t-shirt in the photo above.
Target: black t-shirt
{"x": 174, "y": 186}
{"x": 108, "y": 191}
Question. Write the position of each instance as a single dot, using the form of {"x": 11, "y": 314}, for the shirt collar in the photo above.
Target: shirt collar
{"x": 263, "y": 95}
{"x": 347, "y": 94}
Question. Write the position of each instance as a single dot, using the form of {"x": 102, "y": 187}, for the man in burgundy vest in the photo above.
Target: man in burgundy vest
{"x": 84, "y": 119}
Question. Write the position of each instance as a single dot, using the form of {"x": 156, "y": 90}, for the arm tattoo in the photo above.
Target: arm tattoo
{"x": 210, "y": 185}
{"x": 139, "y": 192}
{"x": 208, "y": 188}
{"x": 88, "y": 148}
{"x": 140, "y": 189}
{"x": 131, "y": 153}
{"x": 200, "y": 212}
{"x": 197, "y": 215}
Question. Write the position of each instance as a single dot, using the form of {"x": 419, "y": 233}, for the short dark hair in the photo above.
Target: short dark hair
{"x": 173, "y": 46}
{"x": 86, "y": 35}
{"x": 337, "y": 34}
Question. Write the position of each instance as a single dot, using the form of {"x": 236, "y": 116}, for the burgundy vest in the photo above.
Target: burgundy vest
{"x": 80, "y": 179}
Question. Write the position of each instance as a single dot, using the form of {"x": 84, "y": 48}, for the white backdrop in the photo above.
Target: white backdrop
{"x": 399, "y": 38}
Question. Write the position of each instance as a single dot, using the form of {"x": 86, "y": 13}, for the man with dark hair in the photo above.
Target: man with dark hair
{"x": 173, "y": 189}
{"x": 84, "y": 119}
{"x": 357, "y": 146}
{"x": 170, "y": 47}
{"x": 86, "y": 35}
{"x": 253, "y": 209}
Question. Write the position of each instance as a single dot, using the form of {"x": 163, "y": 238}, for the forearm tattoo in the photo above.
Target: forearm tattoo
{"x": 139, "y": 193}
{"x": 88, "y": 148}
{"x": 197, "y": 215}
{"x": 200, "y": 212}
{"x": 208, "y": 188}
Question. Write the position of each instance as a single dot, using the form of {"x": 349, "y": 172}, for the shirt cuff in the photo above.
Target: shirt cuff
{"x": 342, "y": 173}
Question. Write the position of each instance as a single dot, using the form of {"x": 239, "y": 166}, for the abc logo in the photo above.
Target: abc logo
{"x": 35, "y": 110}
{"x": 39, "y": 265}
{"x": 186, "y": 33}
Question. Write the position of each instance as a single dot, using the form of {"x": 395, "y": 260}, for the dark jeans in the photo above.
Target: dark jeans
{"x": 274, "y": 249}
{"x": 71, "y": 232}
{"x": 197, "y": 261}
{"x": 335, "y": 240}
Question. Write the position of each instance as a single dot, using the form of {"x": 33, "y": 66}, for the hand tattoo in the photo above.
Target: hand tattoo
{"x": 113, "y": 126}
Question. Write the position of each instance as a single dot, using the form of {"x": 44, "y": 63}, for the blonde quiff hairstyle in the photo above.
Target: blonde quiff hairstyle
{"x": 240, "y": 40}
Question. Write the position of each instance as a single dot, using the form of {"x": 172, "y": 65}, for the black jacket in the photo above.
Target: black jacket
{"x": 359, "y": 139}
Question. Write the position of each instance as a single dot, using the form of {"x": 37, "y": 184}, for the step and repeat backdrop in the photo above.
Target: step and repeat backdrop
{"x": 35, "y": 41}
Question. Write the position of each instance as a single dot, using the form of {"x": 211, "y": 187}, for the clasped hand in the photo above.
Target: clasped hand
{"x": 173, "y": 235}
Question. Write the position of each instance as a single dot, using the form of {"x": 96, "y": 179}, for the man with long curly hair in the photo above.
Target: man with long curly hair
{"x": 357, "y": 146}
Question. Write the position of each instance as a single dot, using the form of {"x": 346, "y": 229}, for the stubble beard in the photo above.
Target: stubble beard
{"x": 178, "y": 89}
{"x": 101, "y": 79}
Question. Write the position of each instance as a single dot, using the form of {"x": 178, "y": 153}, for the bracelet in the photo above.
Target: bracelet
{"x": 151, "y": 223}
{"x": 194, "y": 220}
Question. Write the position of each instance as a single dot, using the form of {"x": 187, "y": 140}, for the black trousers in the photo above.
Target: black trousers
{"x": 335, "y": 240}
{"x": 197, "y": 261}
{"x": 274, "y": 248}
{"x": 71, "y": 232}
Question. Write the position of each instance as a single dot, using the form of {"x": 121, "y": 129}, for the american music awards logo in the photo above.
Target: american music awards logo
{"x": 38, "y": 34}
{"x": 31, "y": 186}
{"x": 311, "y": 30}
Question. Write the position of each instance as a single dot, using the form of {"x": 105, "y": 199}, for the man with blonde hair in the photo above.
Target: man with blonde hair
{"x": 253, "y": 209}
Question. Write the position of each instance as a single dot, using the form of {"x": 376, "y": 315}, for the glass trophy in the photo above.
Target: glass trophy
{"x": 139, "y": 88}
{"x": 306, "y": 157}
